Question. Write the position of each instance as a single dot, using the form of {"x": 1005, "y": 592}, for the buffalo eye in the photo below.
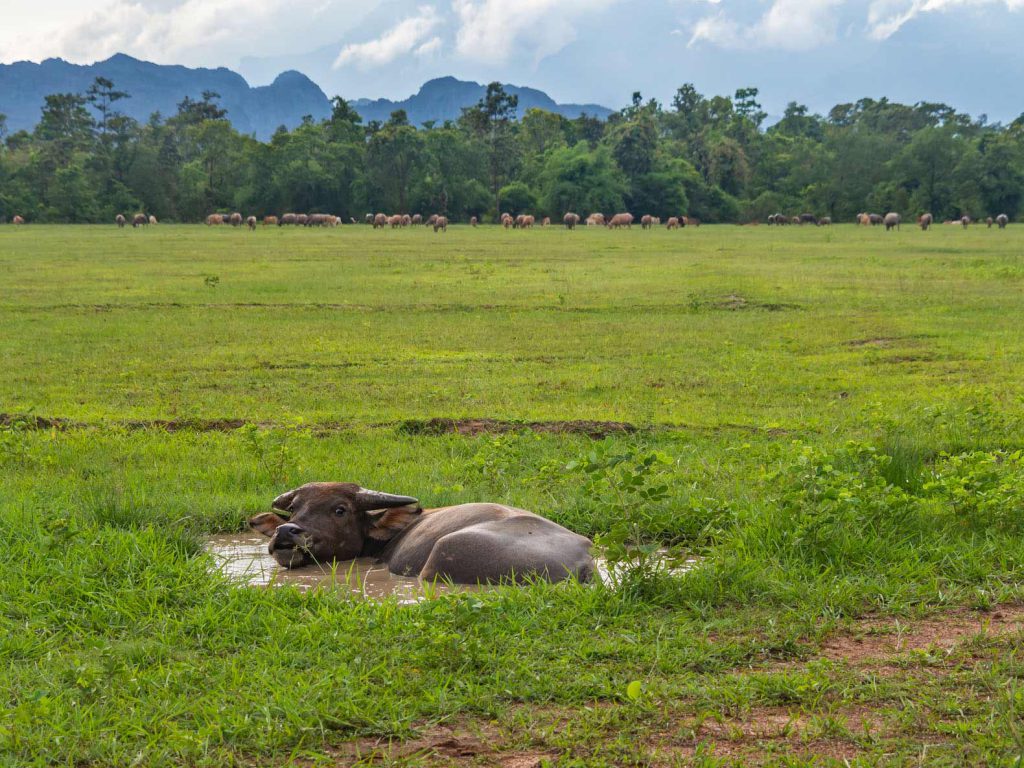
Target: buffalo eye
{"x": 340, "y": 510}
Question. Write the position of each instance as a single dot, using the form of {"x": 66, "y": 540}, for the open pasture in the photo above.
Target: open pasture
{"x": 835, "y": 415}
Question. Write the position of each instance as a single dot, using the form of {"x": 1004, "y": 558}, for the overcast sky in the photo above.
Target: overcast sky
{"x": 818, "y": 52}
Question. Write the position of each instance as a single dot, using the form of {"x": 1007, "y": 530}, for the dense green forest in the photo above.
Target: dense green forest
{"x": 708, "y": 157}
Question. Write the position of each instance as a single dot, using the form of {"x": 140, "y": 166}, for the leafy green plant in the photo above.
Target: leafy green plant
{"x": 628, "y": 488}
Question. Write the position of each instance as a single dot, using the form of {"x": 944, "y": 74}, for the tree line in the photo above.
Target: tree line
{"x": 708, "y": 157}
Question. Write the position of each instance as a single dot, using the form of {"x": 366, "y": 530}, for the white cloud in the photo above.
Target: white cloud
{"x": 404, "y": 38}
{"x": 793, "y": 25}
{"x": 429, "y": 48}
{"x": 886, "y": 17}
{"x": 194, "y": 32}
{"x": 800, "y": 25}
{"x": 492, "y": 30}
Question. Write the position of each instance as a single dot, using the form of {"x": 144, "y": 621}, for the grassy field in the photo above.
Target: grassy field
{"x": 837, "y": 416}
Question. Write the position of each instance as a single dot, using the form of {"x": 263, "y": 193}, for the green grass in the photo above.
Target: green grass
{"x": 839, "y": 413}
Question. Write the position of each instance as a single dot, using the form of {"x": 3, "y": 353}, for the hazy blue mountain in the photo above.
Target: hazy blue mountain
{"x": 159, "y": 88}
{"x": 445, "y": 97}
{"x": 258, "y": 111}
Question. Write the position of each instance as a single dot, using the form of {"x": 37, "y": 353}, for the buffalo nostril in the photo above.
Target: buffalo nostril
{"x": 288, "y": 531}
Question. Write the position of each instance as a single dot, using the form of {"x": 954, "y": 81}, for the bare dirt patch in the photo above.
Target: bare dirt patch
{"x": 594, "y": 429}
{"x": 876, "y": 640}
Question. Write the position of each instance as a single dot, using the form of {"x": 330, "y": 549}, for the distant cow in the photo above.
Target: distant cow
{"x": 432, "y": 219}
{"x": 152, "y": 219}
{"x": 825, "y": 221}
{"x": 690, "y": 221}
{"x": 380, "y": 221}
{"x": 17, "y": 220}
{"x": 407, "y": 220}
{"x": 925, "y": 221}
{"x": 673, "y": 223}
{"x": 140, "y": 220}
{"x": 301, "y": 219}
{"x": 507, "y": 220}
{"x": 251, "y": 221}
{"x": 417, "y": 219}
{"x": 120, "y": 221}
{"x": 441, "y": 222}
{"x": 892, "y": 221}
{"x": 646, "y": 221}
{"x": 235, "y": 219}
{"x": 395, "y": 221}
{"x": 595, "y": 220}
{"x": 1002, "y": 220}
{"x": 989, "y": 222}
{"x": 546, "y": 222}
{"x": 876, "y": 219}
{"x": 863, "y": 219}
{"x": 369, "y": 218}
{"x": 214, "y": 220}
{"x": 965, "y": 221}
{"x": 473, "y": 221}
{"x": 620, "y": 220}
{"x": 571, "y": 220}
{"x": 808, "y": 218}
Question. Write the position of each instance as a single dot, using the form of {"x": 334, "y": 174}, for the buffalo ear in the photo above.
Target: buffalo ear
{"x": 284, "y": 501}
{"x": 385, "y": 524}
{"x": 266, "y": 523}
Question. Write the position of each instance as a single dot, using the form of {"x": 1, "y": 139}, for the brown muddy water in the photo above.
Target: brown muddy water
{"x": 243, "y": 558}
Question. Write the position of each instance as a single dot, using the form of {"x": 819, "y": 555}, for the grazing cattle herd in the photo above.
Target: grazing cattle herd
{"x": 571, "y": 220}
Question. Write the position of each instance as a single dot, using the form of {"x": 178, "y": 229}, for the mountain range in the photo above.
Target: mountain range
{"x": 253, "y": 110}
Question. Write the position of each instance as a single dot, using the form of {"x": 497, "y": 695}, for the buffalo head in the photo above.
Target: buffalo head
{"x": 321, "y": 522}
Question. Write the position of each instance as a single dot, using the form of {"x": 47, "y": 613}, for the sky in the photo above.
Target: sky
{"x": 965, "y": 53}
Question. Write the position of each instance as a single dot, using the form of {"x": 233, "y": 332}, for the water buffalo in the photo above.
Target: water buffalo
{"x": 235, "y": 219}
{"x": 120, "y": 221}
{"x": 1002, "y": 220}
{"x": 876, "y": 219}
{"x": 925, "y": 221}
{"x": 431, "y": 219}
{"x": 407, "y": 220}
{"x": 808, "y": 218}
{"x": 507, "y": 220}
{"x": 214, "y": 220}
{"x": 395, "y": 221}
{"x": 595, "y": 220}
{"x": 620, "y": 220}
{"x": 369, "y": 218}
{"x": 441, "y": 222}
{"x": 965, "y": 221}
{"x": 825, "y": 221}
{"x": 17, "y": 220}
{"x": 380, "y": 221}
{"x": 673, "y": 223}
{"x": 546, "y": 222}
{"x": 289, "y": 219}
{"x": 989, "y": 222}
{"x": 251, "y": 221}
{"x": 140, "y": 220}
{"x": 892, "y": 221}
{"x": 691, "y": 221}
{"x": 527, "y": 222}
{"x": 468, "y": 543}
{"x": 301, "y": 219}
{"x": 646, "y": 221}
{"x": 152, "y": 219}
{"x": 571, "y": 220}
{"x": 417, "y": 219}
{"x": 473, "y": 221}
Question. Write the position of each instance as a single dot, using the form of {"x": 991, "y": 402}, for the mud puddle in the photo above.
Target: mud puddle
{"x": 243, "y": 558}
